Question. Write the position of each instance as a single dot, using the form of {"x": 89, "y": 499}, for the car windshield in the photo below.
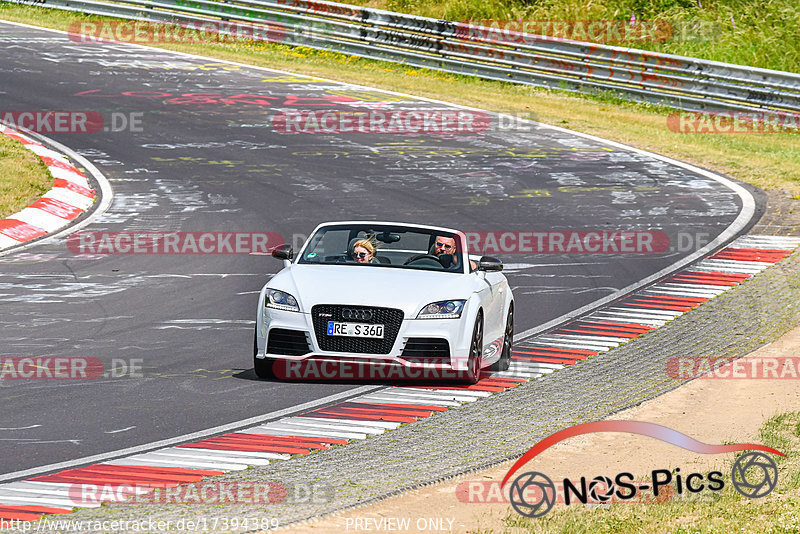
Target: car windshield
{"x": 385, "y": 246}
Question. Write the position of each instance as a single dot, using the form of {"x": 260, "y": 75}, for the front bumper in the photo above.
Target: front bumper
{"x": 454, "y": 331}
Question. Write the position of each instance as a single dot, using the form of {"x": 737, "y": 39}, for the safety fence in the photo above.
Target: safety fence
{"x": 469, "y": 49}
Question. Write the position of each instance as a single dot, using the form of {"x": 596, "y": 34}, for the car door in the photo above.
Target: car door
{"x": 495, "y": 318}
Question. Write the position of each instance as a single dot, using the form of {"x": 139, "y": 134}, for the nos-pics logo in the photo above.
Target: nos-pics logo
{"x": 533, "y": 494}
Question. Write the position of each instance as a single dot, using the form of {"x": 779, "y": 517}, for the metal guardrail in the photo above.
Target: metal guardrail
{"x": 462, "y": 48}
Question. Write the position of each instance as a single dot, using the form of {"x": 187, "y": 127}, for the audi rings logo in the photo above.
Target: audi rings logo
{"x": 359, "y": 315}
{"x": 532, "y": 494}
{"x": 754, "y": 475}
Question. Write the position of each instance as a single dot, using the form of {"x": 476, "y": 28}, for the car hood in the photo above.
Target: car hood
{"x": 368, "y": 285}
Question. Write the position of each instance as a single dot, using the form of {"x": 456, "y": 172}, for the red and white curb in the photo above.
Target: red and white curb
{"x": 70, "y": 196}
{"x": 649, "y": 308}
{"x": 383, "y": 410}
{"x": 319, "y": 429}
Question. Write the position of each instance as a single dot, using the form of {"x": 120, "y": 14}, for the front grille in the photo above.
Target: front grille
{"x": 287, "y": 342}
{"x": 427, "y": 350}
{"x": 389, "y": 317}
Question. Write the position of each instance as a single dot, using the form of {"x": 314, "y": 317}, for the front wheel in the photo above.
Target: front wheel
{"x": 508, "y": 339}
{"x": 262, "y": 366}
{"x": 473, "y": 373}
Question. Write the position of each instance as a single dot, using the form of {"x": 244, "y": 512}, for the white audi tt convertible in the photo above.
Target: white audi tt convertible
{"x": 383, "y": 300}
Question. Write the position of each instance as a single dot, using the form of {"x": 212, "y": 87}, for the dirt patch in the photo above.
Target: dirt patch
{"x": 711, "y": 410}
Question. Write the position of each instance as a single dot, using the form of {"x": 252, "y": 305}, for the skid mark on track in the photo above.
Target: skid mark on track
{"x": 384, "y": 410}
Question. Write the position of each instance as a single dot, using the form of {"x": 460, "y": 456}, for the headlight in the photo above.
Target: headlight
{"x": 280, "y": 300}
{"x": 445, "y": 309}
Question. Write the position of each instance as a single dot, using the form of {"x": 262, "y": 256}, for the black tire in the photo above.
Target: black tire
{"x": 262, "y": 366}
{"x": 473, "y": 372}
{"x": 508, "y": 339}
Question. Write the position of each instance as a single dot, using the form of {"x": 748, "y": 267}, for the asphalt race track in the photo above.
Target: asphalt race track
{"x": 206, "y": 156}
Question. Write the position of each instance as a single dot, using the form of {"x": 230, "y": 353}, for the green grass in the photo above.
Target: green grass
{"x": 704, "y": 512}
{"x": 768, "y": 161}
{"x": 23, "y": 176}
{"x": 760, "y": 33}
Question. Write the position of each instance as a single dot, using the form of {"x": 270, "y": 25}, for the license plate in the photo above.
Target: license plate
{"x": 355, "y": 330}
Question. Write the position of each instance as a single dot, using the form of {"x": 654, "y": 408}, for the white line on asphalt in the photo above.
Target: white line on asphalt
{"x": 186, "y": 437}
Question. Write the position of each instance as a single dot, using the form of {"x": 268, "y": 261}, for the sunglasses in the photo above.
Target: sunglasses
{"x": 442, "y": 245}
{"x": 361, "y": 255}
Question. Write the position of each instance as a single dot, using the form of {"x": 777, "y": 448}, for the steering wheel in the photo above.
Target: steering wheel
{"x": 417, "y": 257}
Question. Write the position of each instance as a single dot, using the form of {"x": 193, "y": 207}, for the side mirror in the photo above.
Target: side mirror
{"x": 283, "y": 252}
{"x": 489, "y": 263}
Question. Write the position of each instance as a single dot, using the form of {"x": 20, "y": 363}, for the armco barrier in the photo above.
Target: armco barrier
{"x": 463, "y": 48}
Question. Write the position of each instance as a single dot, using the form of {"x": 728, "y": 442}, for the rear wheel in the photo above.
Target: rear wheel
{"x": 262, "y": 366}
{"x": 473, "y": 373}
{"x": 508, "y": 339}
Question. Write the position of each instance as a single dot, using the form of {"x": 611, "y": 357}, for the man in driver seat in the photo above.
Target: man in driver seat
{"x": 447, "y": 245}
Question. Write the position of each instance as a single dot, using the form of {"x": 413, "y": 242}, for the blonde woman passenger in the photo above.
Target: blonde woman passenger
{"x": 364, "y": 251}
